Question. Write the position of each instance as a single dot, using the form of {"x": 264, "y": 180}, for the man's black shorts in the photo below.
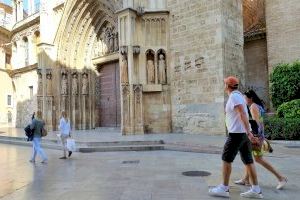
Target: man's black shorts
{"x": 237, "y": 142}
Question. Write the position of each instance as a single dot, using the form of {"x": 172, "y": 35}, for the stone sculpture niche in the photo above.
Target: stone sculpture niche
{"x": 64, "y": 82}
{"x": 74, "y": 83}
{"x": 107, "y": 41}
{"x": 150, "y": 67}
{"x": 162, "y": 67}
{"x": 85, "y": 84}
{"x": 124, "y": 70}
{"x": 49, "y": 83}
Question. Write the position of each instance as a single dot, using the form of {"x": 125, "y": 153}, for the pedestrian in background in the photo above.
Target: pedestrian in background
{"x": 256, "y": 109}
{"x": 65, "y": 133}
{"x": 37, "y": 125}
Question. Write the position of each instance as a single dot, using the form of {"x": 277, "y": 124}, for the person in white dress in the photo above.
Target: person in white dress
{"x": 65, "y": 133}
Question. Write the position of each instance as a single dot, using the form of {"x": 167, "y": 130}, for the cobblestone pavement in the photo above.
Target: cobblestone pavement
{"x": 155, "y": 175}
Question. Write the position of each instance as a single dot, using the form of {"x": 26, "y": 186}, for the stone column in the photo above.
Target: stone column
{"x": 14, "y": 12}
{"x": 40, "y": 90}
{"x": 74, "y": 106}
{"x": 20, "y": 8}
{"x": 138, "y": 109}
{"x": 84, "y": 93}
{"x": 49, "y": 100}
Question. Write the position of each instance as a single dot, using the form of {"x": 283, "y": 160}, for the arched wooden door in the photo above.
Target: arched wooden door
{"x": 108, "y": 106}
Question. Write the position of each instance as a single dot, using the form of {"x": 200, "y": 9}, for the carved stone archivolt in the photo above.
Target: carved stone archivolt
{"x": 107, "y": 42}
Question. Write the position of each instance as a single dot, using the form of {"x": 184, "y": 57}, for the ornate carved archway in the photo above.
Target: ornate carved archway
{"x": 85, "y": 24}
{"x": 88, "y": 29}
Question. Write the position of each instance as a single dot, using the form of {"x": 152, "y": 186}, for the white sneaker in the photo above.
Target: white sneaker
{"x": 252, "y": 194}
{"x": 281, "y": 184}
{"x": 218, "y": 191}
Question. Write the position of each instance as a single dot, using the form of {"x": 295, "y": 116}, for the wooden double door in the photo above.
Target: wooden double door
{"x": 108, "y": 104}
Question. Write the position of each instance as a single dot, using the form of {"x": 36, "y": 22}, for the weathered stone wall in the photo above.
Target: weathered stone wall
{"x": 25, "y": 104}
{"x": 206, "y": 43}
{"x": 283, "y": 29}
{"x": 232, "y": 24}
{"x": 157, "y": 112}
{"x": 257, "y": 68}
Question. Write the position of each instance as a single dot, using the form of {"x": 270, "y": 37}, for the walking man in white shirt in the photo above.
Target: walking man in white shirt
{"x": 238, "y": 141}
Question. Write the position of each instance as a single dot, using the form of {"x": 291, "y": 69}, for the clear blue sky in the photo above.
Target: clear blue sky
{"x": 8, "y": 2}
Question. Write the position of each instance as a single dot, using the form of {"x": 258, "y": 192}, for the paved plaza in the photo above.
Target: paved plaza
{"x": 151, "y": 175}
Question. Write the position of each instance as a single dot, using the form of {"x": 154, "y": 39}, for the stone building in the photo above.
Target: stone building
{"x": 146, "y": 66}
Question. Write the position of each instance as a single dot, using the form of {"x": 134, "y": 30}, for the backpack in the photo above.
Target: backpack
{"x": 44, "y": 132}
{"x": 29, "y": 133}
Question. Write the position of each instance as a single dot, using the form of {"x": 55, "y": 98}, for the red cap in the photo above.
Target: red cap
{"x": 231, "y": 81}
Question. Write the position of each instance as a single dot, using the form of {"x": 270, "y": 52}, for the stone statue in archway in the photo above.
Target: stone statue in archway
{"x": 85, "y": 84}
{"x": 64, "y": 84}
{"x": 40, "y": 84}
{"x": 116, "y": 45}
{"x": 162, "y": 69}
{"x": 74, "y": 84}
{"x": 124, "y": 70}
{"x": 111, "y": 41}
{"x": 49, "y": 83}
{"x": 150, "y": 72}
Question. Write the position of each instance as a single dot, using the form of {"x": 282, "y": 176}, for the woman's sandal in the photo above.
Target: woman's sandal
{"x": 242, "y": 182}
{"x": 282, "y": 183}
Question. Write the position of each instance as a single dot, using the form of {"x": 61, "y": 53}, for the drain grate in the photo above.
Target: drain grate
{"x": 196, "y": 173}
{"x": 131, "y": 162}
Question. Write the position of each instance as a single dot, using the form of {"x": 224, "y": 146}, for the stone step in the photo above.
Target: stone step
{"x": 121, "y": 148}
{"x": 88, "y": 147}
{"x": 90, "y": 144}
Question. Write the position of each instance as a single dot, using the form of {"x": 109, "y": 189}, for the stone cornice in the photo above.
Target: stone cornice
{"x": 14, "y": 72}
{"x": 146, "y": 11}
{"x": 256, "y": 36}
{"x": 26, "y": 23}
{"x": 59, "y": 6}
{"x": 5, "y": 32}
{"x": 106, "y": 59}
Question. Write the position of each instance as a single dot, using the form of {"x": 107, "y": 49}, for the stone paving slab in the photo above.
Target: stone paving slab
{"x": 105, "y": 176}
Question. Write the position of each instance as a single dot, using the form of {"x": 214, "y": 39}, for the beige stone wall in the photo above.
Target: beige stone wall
{"x": 283, "y": 29}
{"x": 206, "y": 44}
{"x": 5, "y": 89}
{"x": 25, "y": 102}
{"x": 257, "y": 68}
{"x": 232, "y": 31}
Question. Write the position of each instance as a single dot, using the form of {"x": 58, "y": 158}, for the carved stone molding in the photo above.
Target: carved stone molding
{"x": 136, "y": 49}
{"x": 124, "y": 50}
{"x": 138, "y": 92}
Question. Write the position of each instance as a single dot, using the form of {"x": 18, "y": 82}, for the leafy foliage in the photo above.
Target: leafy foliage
{"x": 282, "y": 128}
{"x": 285, "y": 84}
{"x": 290, "y": 109}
